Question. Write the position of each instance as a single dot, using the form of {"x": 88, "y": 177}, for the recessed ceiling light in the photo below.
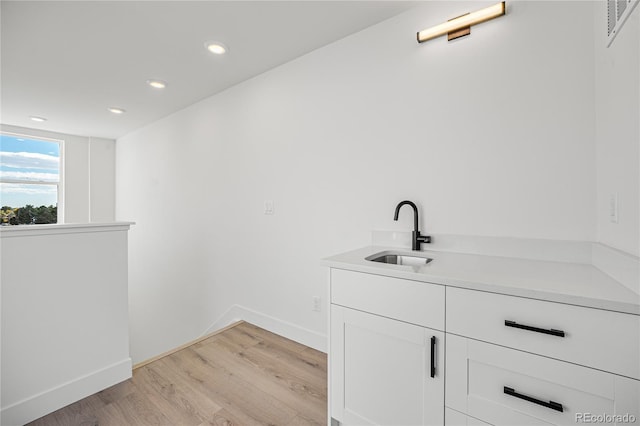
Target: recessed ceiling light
{"x": 157, "y": 84}
{"x": 38, "y": 119}
{"x": 216, "y": 47}
{"x": 116, "y": 110}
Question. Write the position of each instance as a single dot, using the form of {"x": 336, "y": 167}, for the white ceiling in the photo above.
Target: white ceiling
{"x": 69, "y": 61}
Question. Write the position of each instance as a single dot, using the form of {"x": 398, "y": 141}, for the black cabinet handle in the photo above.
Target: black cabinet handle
{"x": 551, "y": 404}
{"x": 552, "y": 332}
{"x": 433, "y": 356}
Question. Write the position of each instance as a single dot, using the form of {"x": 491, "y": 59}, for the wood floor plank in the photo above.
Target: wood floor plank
{"x": 316, "y": 358}
{"x": 190, "y": 389}
{"x": 273, "y": 379}
{"x": 242, "y": 376}
{"x": 275, "y": 374}
{"x": 232, "y": 392}
{"x": 167, "y": 395}
{"x": 78, "y": 413}
{"x": 132, "y": 410}
{"x": 242, "y": 335}
{"x": 305, "y": 367}
{"x": 262, "y": 335}
{"x": 225, "y": 418}
{"x": 303, "y": 421}
{"x": 116, "y": 392}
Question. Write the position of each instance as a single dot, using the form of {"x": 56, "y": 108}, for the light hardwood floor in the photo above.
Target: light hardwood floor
{"x": 242, "y": 376}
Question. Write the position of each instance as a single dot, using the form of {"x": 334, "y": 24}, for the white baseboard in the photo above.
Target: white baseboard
{"x": 286, "y": 329}
{"x": 46, "y": 402}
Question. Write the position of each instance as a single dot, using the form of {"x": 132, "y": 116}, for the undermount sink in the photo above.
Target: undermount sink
{"x": 399, "y": 258}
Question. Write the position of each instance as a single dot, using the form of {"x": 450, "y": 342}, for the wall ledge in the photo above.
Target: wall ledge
{"x": 11, "y": 231}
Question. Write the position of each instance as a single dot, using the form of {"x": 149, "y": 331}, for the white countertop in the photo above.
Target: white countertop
{"x": 563, "y": 282}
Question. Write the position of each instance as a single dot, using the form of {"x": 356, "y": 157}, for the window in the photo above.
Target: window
{"x": 30, "y": 183}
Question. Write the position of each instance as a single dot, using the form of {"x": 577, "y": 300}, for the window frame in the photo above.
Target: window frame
{"x": 59, "y": 184}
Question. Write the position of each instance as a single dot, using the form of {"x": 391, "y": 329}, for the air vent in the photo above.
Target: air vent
{"x": 611, "y": 16}
{"x": 621, "y": 5}
{"x": 617, "y": 13}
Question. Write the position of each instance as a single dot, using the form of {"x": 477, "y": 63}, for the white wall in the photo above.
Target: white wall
{"x": 490, "y": 135}
{"x": 102, "y": 180}
{"x": 618, "y": 131}
{"x": 89, "y": 175}
{"x": 64, "y": 322}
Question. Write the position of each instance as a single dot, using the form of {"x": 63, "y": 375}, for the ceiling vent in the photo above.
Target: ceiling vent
{"x": 617, "y": 13}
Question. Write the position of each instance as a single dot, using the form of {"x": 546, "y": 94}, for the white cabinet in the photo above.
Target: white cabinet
{"x": 384, "y": 371}
{"x": 517, "y": 361}
{"x": 509, "y": 360}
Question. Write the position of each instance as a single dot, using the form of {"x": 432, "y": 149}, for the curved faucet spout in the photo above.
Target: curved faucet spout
{"x": 415, "y": 212}
{"x": 417, "y": 239}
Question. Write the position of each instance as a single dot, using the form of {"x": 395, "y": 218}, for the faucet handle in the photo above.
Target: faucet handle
{"x": 418, "y": 240}
{"x": 424, "y": 238}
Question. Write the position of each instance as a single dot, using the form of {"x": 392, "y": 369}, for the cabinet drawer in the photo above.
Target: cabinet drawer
{"x": 596, "y": 338}
{"x": 505, "y": 386}
{"x": 411, "y": 301}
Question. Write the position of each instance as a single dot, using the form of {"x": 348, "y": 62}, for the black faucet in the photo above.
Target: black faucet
{"x": 416, "y": 238}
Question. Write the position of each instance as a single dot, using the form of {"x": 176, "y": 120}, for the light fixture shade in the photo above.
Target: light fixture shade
{"x": 463, "y": 21}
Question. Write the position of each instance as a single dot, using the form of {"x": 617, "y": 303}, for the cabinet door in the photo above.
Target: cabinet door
{"x": 381, "y": 371}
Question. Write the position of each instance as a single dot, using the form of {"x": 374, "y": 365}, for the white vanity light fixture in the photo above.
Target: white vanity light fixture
{"x": 216, "y": 47}
{"x": 157, "y": 84}
{"x": 461, "y": 26}
{"x": 38, "y": 119}
{"x": 116, "y": 110}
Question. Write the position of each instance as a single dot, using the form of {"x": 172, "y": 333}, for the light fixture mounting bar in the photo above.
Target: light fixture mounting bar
{"x": 460, "y": 23}
{"x": 460, "y": 32}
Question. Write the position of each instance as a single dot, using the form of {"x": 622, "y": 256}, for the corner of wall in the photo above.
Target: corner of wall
{"x": 275, "y": 325}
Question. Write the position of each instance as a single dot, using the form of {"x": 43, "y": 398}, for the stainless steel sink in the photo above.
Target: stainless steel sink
{"x": 399, "y": 258}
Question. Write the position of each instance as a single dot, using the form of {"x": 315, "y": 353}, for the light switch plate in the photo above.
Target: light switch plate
{"x": 268, "y": 207}
{"x": 613, "y": 207}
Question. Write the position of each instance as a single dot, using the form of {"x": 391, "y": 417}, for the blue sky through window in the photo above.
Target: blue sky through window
{"x": 24, "y": 159}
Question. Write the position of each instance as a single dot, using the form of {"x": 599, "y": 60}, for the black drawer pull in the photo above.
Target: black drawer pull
{"x": 552, "y": 332}
{"x": 433, "y": 356}
{"x": 551, "y": 404}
